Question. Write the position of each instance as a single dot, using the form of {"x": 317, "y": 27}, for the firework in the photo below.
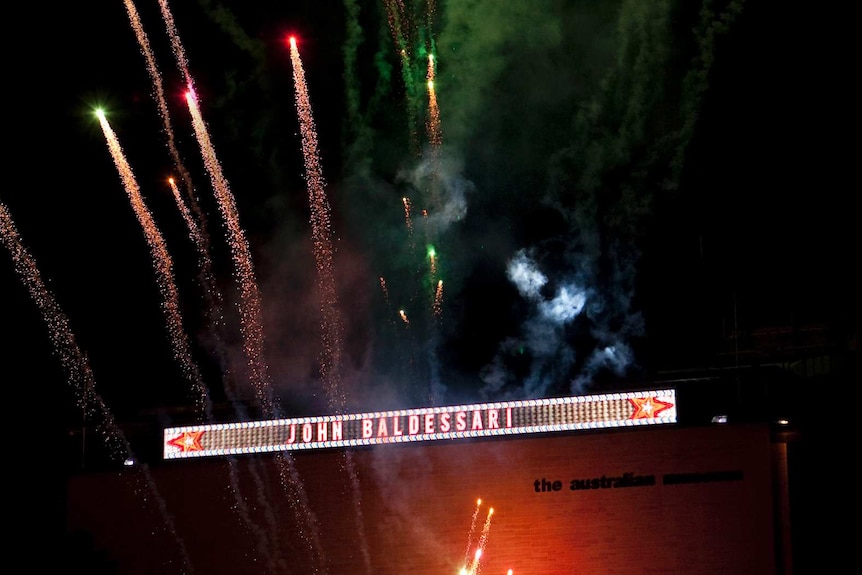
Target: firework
{"x": 163, "y": 266}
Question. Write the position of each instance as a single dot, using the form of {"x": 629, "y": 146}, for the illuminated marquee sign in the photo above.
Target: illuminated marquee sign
{"x": 424, "y": 424}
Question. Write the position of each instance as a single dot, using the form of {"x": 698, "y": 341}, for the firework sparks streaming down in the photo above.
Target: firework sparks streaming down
{"x": 252, "y": 326}
{"x": 250, "y": 314}
{"x": 430, "y": 9}
{"x": 432, "y": 263}
{"x": 408, "y": 223}
{"x": 438, "y": 299}
{"x": 400, "y": 27}
{"x": 199, "y": 235}
{"x": 66, "y": 348}
{"x": 163, "y": 266}
{"x": 480, "y": 547}
{"x": 212, "y": 294}
{"x": 435, "y": 138}
{"x": 176, "y": 44}
{"x": 189, "y": 208}
{"x": 408, "y": 219}
{"x": 321, "y": 233}
{"x": 385, "y": 291}
{"x": 216, "y": 326}
{"x": 76, "y": 365}
{"x": 183, "y": 65}
{"x": 395, "y": 14}
{"x": 194, "y": 229}
{"x": 435, "y": 135}
{"x": 472, "y": 532}
{"x": 164, "y": 114}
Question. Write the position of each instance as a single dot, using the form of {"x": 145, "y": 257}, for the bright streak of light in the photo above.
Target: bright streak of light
{"x": 438, "y": 301}
{"x": 483, "y": 540}
{"x": 251, "y": 326}
{"x": 435, "y": 135}
{"x": 194, "y": 230}
{"x": 249, "y": 307}
{"x": 76, "y": 364}
{"x": 407, "y": 220}
{"x": 63, "y": 339}
{"x": 164, "y": 113}
{"x": 472, "y": 532}
{"x": 321, "y": 234}
{"x": 403, "y": 315}
{"x": 212, "y": 294}
{"x": 432, "y": 262}
{"x": 431, "y": 70}
{"x": 395, "y": 15}
{"x": 163, "y": 266}
{"x": 176, "y": 44}
{"x": 188, "y": 205}
{"x": 400, "y": 26}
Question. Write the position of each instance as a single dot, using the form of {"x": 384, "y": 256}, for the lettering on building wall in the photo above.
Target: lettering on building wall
{"x": 680, "y": 478}
{"x": 630, "y": 479}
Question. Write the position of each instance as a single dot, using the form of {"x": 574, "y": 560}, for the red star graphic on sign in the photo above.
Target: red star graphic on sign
{"x": 648, "y": 407}
{"x": 187, "y": 441}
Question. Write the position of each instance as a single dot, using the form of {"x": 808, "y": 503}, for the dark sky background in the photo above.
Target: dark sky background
{"x": 663, "y": 171}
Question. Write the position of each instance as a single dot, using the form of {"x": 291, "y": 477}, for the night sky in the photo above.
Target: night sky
{"x": 611, "y": 187}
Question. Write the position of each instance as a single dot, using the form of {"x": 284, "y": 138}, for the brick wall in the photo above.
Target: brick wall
{"x": 705, "y": 507}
